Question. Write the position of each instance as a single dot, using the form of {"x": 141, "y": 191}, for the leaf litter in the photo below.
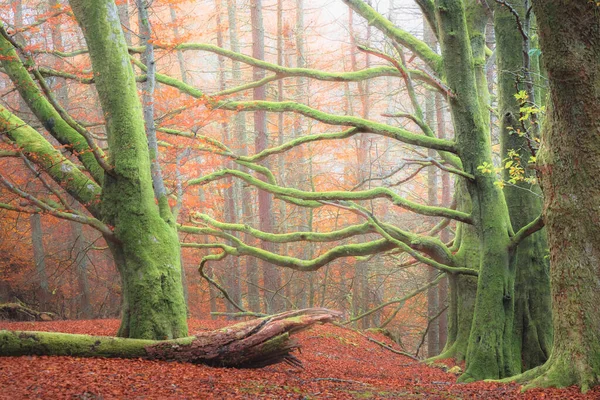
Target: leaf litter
{"x": 338, "y": 363}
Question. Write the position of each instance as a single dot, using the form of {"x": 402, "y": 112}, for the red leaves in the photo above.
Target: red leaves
{"x": 338, "y": 364}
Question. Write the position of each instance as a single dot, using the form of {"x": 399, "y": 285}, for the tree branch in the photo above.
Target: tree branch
{"x": 528, "y": 230}
{"x": 93, "y": 222}
{"x": 38, "y": 150}
{"x": 338, "y": 195}
{"x": 344, "y": 120}
{"x": 43, "y": 110}
{"x": 418, "y": 47}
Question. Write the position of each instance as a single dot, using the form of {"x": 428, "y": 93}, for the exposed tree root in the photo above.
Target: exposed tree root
{"x": 557, "y": 372}
{"x": 250, "y": 344}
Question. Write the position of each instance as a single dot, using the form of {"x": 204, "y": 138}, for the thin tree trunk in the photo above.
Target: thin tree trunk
{"x": 39, "y": 258}
{"x": 81, "y": 268}
{"x": 433, "y": 301}
{"x": 445, "y": 234}
{"x": 244, "y": 193}
{"x": 271, "y": 275}
{"x": 232, "y": 271}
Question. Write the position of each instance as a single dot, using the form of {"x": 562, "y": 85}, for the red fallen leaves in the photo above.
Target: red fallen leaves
{"x": 338, "y": 364}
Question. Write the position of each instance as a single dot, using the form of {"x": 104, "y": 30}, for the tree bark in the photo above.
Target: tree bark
{"x": 232, "y": 275}
{"x": 433, "y": 299}
{"x": 568, "y": 164}
{"x": 244, "y": 192}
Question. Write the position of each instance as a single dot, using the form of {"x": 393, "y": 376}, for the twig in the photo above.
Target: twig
{"x": 341, "y": 380}
{"x": 385, "y": 346}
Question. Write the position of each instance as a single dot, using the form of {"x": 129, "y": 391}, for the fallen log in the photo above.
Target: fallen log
{"x": 19, "y": 312}
{"x": 251, "y": 344}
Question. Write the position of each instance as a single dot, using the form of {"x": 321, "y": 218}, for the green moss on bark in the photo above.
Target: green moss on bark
{"x": 147, "y": 248}
{"x": 533, "y": 323}
{"x": 43, "y": 110}
{"x": 41, "y": 152}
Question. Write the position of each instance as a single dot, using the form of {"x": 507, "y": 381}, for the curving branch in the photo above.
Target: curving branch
{"x": 432, "y": 161}
{"x": 96, "y": 151}
{"x": 441, "y": 257}
{"x": 299, "y": 141}
{"x": 342, "y": 251}
{"x": 60, "y": 11}
{"x": 340, "y": 234}
{"x": 45, "y": 207}
{"x": 450, "y": 158}
{"x": 528, "y": 230}
{"x": 401, "y": 300}
{"x": 345, "y": 120}
{"x": 218, "y": 257}
{"x": 417, "y": 46}
{"x": 375, "y": 193}
{"x": 442, "y": 267}
{"x": 281, "y": 71}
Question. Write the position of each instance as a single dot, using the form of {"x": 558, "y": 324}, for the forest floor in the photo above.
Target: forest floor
{"x": 338, "y": 364}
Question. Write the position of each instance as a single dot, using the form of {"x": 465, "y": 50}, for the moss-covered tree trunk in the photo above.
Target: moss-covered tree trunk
{"x": 462, "y": 288}
{"x": 533, "y": 322}
{"x": 490, "y": 348}
{"x": 569, "y": 167}
{"x": 146, "y": 245}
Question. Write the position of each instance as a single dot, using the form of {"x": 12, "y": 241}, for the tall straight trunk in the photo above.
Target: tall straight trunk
{"x": 305, "y": 283}
{"x": 180, "y": 58}
{"x": 271, "y": 275}
{"x": 39, "y": 258}
{"x": 433, "y": 300}
{"x": 239, "y": 121}
{"x": 79, "y": 244}
{"x": 282, "y": 222}
{"x": 445, "y": 234}
{"x": 179, "y": 178}
{"x": 81, "y": 270}
{"x": 360, "y": 288}
{"x": 123, "y": 8}
{"x": 568, "y": 163}
{"x": 146, "y": 250}
{"x": 533, "y": 322}
{"x": 232, "y": 271}
{"x": 148, "y": 98}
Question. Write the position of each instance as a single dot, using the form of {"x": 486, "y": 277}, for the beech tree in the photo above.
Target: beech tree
{"x": 568, "y": 159}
